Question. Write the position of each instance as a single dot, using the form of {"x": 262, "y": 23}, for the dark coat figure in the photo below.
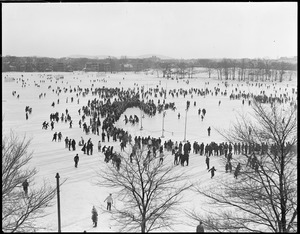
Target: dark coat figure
{"x": 207, "y": 162}
{"x": 161, "y": 157}
{"x": 237, "y": 170}
{"x": 91, "y": 147}
{"x": 25, "y": 185}
{"x": 59, "y": 136}
{"x": 183, "y": 158}
{"x": 103, "y": 137}
{"x": 26, "y": 115}
{"x": 70, "y": 144}
{"x": 66, "y": 142}
{"x": 176, "y": 158}
{"x": 200, "y": 228}
{"x": 73, "y": 144}
{"x": 54, "y": 136}
{"x": 212, "y": 170}
{"x": 76, "y": 160}
{"x": 208, "y": 131}
{"x": 94, "y": 216}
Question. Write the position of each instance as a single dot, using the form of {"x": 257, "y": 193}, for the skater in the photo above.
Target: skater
{"x": 84, "y": 148}
{"x": 207, "y": 161}
{"x": 25, "y": 185}
{"x": 208, "y": 131}
{"x": 200, "y": 228}
{"x": 52, "y": 124}
{"x": 54, "y": 136}
{"x": 76, "y": 160}
{"x": 212, "y": 170}
{"x": 91, "y": 147}
{"x": 73, "y": 144}
{"x": 161, "y": 157}
{"x": 229, "y": 166}
{"x": 109, "y": 202}
{"x": 26, "y": 116}
{"x": 176, "y": 158}
{"x": 237, "y": 170}
{"x": 94, "y": 216}
{"x": 59, "y": 136}
{"x": 66, "y": 142}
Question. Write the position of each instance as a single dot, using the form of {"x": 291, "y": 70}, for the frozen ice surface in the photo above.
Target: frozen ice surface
{"x": 80, "y": 193}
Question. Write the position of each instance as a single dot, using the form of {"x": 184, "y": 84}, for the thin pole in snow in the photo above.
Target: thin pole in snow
{"x": 58, "y": 201}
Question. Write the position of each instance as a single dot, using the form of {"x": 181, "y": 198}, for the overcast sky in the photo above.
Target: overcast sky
{"x": 178, "y": 30}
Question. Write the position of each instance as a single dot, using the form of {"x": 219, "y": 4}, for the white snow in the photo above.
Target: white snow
{"x": 79, "y": 193}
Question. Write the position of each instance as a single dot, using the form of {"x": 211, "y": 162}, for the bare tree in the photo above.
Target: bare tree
{"x": 181, "y": 68}
{"x": 19, "y": 211}
{"x": 264, "y": 197}
{"x": 151, "y": 192}
{"x": 282, "y": 71}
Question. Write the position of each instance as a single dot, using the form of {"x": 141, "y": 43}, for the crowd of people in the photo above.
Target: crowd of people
{"x": 101, "y": 113}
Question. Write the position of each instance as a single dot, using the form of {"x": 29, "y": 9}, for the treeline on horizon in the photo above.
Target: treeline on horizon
{"x": 183, "y": 67}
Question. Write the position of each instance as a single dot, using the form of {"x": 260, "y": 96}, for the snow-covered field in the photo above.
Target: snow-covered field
{"x": 79, "y": 193}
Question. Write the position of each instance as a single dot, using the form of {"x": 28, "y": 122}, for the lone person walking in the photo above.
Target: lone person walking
{"x": 208, "y": 131}
{"x": 76, "y": 160}
{"x": 207, "y": 161}
{"x": 109, "y": 202}
{"x": 212, "y": 170}
{"x": 94, "y": 216}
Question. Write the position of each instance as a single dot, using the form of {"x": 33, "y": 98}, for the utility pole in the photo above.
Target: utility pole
{"x": 58, "y": 201}
{"x": 163, "y": 123}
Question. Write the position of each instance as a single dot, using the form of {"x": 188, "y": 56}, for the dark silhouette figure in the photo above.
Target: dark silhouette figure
{"x": 76, "y": 160}
{"x": 200, "y": 228}
{"x": 94, "y": 216}
{"x": 25, "y": 185}
{"x": 208, "y": 131}
{"x": 212, "y": 170}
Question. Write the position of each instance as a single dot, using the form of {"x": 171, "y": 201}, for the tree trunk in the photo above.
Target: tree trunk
{"x": 143, "y": 225}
